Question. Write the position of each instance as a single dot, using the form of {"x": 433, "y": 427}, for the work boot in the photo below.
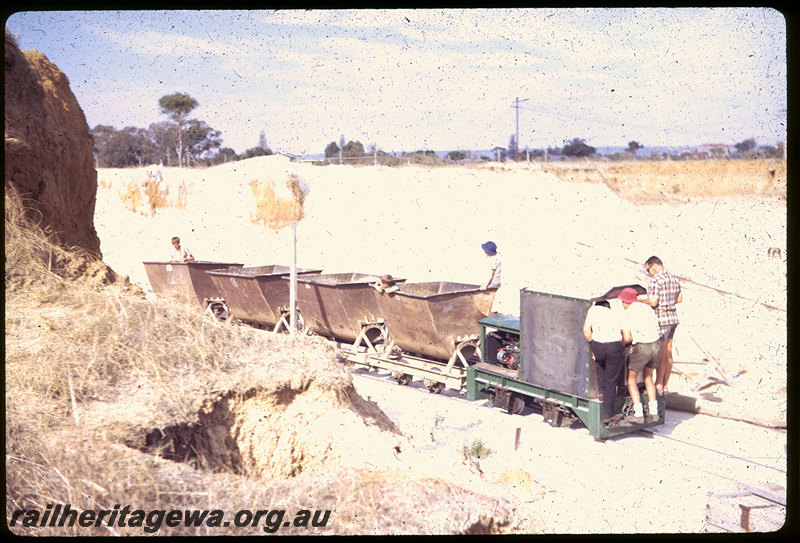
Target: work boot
{"x": 652, "y": 410}
{"x": 638, "y": 414}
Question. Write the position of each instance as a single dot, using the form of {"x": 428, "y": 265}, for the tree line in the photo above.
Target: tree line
{"x": 178, "y": 141}
{"x": 183, "y": 141}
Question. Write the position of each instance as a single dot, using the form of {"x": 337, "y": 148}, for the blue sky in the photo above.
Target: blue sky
{"x": 432, "y": 79}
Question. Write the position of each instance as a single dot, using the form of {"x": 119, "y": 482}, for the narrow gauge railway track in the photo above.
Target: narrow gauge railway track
{"x": 735, "y": 454}
{"x": 441, "y": 333}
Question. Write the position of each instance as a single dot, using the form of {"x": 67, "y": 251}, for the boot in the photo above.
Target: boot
{"x": 638, "y": 414}
{"x": 652, "y": 409}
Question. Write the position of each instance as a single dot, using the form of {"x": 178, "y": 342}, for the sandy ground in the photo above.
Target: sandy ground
{"x": 567, "y": 483}
{"x": 427, "y": 225}
{"x": 553, "y": 236}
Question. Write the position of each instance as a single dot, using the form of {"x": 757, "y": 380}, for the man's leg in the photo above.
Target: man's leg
{"x": 636, "y": 399}
{"x": 666, "y": 359}
{"x": 615, "y": 366}
{"x": 602, "y": 377}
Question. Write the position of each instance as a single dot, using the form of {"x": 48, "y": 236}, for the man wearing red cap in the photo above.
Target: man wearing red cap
{"x": 640, "y": 332}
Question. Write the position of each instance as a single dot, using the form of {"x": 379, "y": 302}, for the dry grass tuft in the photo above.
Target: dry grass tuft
{"x": 665, "y": 181}
{"x": 148, "y": 196}
{"x": 131, "y": 196}
{"x": 274, "y": 210}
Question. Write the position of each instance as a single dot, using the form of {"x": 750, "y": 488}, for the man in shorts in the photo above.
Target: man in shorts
{"x": 640, "y": 333}
{"x": 663, "y": 292}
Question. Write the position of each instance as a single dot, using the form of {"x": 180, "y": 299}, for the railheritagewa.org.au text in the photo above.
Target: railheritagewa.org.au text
{"x": 62, "y": 515}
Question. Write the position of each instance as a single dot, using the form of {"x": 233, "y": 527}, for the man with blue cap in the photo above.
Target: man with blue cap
{"x": 490, "y": 248}
{"x": 493, "y": 282}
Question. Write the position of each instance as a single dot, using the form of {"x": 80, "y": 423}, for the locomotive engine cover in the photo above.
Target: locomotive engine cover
{"x": 555, "y": 354}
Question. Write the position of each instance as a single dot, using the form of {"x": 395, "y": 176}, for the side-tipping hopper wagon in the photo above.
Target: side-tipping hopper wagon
{"x": 186, "y": 281}
{"x": 434, "y": 331}
{"x": 343, "y": 307}
{"x": 259, "y": 294}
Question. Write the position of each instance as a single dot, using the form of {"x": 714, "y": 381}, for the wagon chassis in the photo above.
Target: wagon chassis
{"x": 404, "y": 366}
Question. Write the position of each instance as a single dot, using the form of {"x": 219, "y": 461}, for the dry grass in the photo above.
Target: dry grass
{"x": 273, "y": 210}
{"x": 148, "y": 196}
{"x": 657, "y": 182}
{"x": 94, "y": 373}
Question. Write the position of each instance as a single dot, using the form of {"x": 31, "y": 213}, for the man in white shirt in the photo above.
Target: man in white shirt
{"x": 493, "y": 282}
{"x": 603, "y": 330}
{"x": 640, "y": 330}
{"x": 180, "y": 254}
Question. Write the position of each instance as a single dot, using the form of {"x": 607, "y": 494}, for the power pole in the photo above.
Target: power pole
{"x": 516, "y": 141}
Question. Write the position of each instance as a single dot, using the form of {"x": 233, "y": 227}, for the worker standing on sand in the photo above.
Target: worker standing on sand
{"x": 602, "y": 328}
{"x": 663, "y": 292}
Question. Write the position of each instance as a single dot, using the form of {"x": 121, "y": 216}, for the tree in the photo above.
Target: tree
{"x": 512, "y": 147}
{"x": 353, "y": 149}
{"x": 577, "y": 148}
{"x": 224, "y": 155}
{"x": 633, "y": 145}
{"x": 101, "y": 135}
{"x": 177, "y": 107}
{"x": 746, "y": 145}
{"x": 456, "y": 156}
{"x": 123, "y": 148}
{"x": 773, "y": 151}
{"x": 255, "y": 151}
{"x": 201, "y": 140}
{"x": 332, "y": 150}
{"x": 161, "y": 135}
{"x": 262, "y": 140}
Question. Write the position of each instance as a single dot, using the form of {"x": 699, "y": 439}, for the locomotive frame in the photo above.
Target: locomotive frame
{"x": 556, "y": 369}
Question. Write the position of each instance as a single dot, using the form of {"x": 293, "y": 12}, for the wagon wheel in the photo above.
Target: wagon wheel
{"x": 434, "y": 387}
{"x": 376, "y": 336}
{"x": 216, "y": 308}
{"x": 516, "y": 405}
{"x": 468, "y": 352}
{"x": 402, "y": 378}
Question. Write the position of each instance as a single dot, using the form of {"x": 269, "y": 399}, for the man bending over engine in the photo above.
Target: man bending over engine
{"x": 640, "y": 331}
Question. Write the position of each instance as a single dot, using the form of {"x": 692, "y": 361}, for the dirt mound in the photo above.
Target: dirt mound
{"x": 282, "y": 432}
{"x": 48, "y": 148}
{"x": 292, "y": 411}
{"x": 302, "y": 429}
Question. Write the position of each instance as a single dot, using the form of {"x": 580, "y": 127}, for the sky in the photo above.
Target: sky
{"x": 430, "y": 79}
